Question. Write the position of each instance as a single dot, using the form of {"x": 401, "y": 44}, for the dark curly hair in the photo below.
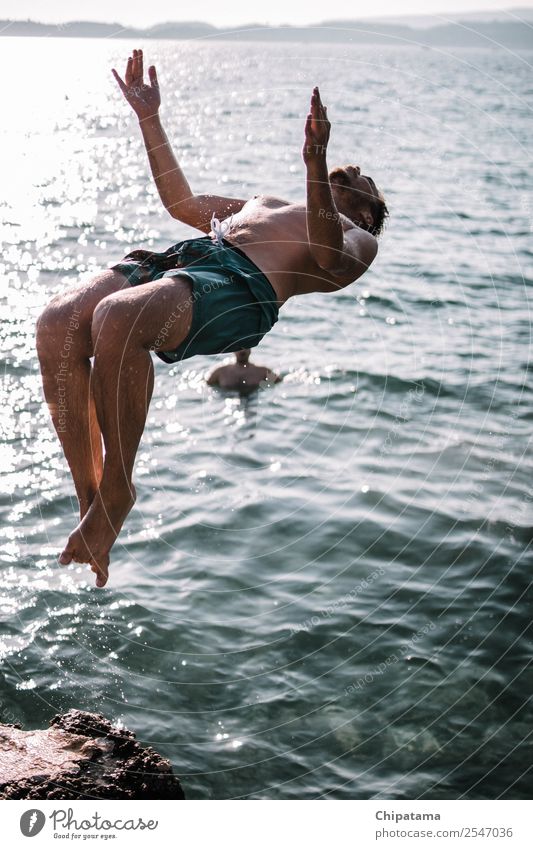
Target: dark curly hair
{"x": 376, "y": 201}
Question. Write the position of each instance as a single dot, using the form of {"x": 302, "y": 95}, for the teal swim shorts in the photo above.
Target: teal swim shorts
{"x": 234, "y": 304}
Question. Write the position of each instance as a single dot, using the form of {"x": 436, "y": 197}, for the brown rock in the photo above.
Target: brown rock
{"x": 82, "y": 756}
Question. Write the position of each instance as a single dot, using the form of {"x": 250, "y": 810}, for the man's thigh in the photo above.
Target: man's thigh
{"x": 84, "y": 298}
{"x": 155, "y": 315}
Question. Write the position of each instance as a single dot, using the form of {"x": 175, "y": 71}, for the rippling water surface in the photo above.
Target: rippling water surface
{"x": 323, "y": 590}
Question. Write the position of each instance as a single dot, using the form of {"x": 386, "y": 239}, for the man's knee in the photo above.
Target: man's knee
{"x": 67, "y": 319}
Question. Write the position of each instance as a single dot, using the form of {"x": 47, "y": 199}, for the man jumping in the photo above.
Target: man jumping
{"x": 215, "y": 294}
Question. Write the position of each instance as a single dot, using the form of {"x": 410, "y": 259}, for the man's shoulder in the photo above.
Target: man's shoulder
{"x": 267, "y": 374}
{"x": 230, "y": 368}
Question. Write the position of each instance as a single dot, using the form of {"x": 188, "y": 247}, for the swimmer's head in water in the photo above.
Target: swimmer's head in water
{"x": 358, "y": 197}
{"x": 243, "y": 356}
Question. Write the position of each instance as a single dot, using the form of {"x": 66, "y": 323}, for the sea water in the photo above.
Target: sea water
{"x": 323, "y": 590}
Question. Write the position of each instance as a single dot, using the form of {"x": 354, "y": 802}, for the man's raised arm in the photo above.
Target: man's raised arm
{"x": 343, "y": 252}
{"x": 172, "y": 185}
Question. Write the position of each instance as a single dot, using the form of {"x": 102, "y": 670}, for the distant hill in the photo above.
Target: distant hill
{"x": 512, "y": 30}
{"x": 468, "y": 18}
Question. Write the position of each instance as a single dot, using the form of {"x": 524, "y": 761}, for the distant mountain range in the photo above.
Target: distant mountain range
{"x": 511, "y": 29}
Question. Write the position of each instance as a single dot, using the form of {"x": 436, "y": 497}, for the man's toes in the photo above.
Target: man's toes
{"x": 72, "y": 552}
{"x": 67, "y": 555}
{"x": 101, "y": 572}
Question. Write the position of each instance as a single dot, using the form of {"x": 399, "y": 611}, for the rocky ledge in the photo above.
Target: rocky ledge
{"x": 82, "y": 755}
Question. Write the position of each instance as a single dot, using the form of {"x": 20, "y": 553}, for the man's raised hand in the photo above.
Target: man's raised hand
{"x": 317, "y": 128}
{"x": 143, "y": 98}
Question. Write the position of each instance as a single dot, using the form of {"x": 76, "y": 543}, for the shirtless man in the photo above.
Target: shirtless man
{"x": 206, "y": 295}
{"x": 242, "y": 375}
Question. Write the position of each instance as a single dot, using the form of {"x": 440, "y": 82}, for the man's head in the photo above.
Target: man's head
{"x": 358, "y": 197}
{"x": 242, "y": 356}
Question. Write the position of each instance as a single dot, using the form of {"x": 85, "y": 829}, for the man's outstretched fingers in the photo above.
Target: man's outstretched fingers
{"x": 119, "y": 80}
{"x": 316, "y": 100}
{"x": 137, "y": 66}
{"x": 129, "y": 71}
{"x": 152, "y": 74}
{"x": 315, "y": 105}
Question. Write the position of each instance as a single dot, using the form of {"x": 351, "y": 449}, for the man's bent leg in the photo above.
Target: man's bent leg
{"x": 64, "y": 346}
{"x": 125, "y": 326}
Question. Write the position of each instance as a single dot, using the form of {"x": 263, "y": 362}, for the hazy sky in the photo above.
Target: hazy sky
{"x": 230, "y": 12}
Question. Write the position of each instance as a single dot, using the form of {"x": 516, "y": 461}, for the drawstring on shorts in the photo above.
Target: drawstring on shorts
{"x": 219, "y": 229}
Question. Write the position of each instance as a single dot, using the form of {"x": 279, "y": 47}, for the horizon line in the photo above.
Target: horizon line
{"x": 512, "y": 11}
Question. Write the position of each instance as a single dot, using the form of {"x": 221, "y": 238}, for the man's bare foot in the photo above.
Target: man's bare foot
{"x": 95, "y": 535}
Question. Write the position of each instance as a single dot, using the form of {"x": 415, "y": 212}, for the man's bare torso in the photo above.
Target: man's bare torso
{"x": 273, "y": 233}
